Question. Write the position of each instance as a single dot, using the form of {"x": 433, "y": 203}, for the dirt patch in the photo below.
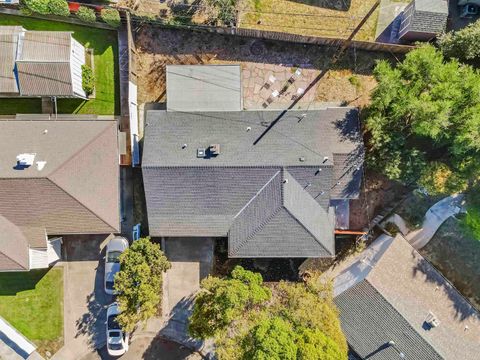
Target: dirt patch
{"x": 377, "y": 193}
{"x": 457, "y": 256}
{"x": 414, "y": 208}
{"x": 350, "y": 81}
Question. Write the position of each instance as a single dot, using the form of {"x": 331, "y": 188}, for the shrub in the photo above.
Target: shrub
{"x": 58, "y": 7}
{"x": 462, "y": 44}
{"x": 86, "y": 14}
{"x": 88, "y": 79}
{"x": 38, "y": 6}
{"x": 111, "y": 17}
{"x": 438, "y": 179}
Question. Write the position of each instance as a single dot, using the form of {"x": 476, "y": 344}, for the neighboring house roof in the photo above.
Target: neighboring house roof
{"x": 13, "y": 247}
{"x": 40, "y": 63}
{"x": 425, "y": 16}
{"x": 43, "y": 64}
{"x": 8, "y": 53}
{"x": 191, "y": 196}
{"x": 387, "y": 294}
{"x": 76, "y": 191}
{"x": 204, "y": 88}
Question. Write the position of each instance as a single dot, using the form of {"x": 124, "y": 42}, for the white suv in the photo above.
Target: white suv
{"x": 115, "y": 248}
{"x": 117, "y": 340}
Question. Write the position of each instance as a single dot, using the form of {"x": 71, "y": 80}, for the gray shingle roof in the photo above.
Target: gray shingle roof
{"x": 191, "y": 196}
{"x": 204, "y": 88}
{"x": 370, "y": 322}
{"x": 13, "y": 247}
{"x": 282, "y": 219}
{"x": 77, "y": 191}
{"x": 387, "y": 293}
{"x": 425, "y": 16}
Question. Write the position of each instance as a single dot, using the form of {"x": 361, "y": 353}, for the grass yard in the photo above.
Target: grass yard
{"x": 456, "y": 253}
{"x": 104, "y": 44}
{"x": 327, "y": 18}
{"x": 33, "y": 303}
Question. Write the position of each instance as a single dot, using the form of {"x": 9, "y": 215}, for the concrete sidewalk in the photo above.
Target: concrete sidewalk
{"x": 434, "y": 218}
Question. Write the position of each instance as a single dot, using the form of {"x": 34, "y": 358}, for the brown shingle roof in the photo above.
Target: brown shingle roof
{"x": 77, "y": 191}
{"x": 8, "y": 52}
{"x": 13, "y": 247}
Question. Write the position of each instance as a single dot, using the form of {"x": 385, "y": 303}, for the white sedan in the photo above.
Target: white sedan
{"x": 115, "y": 248}
{"x": 117, "y": 340}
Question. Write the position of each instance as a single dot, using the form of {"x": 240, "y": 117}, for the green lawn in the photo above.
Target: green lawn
{"x": 33, "y": 303}
{"x": 104, "y": 43}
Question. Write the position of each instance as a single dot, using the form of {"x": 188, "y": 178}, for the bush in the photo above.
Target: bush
{"x": 58, "y": 7}
{"x": 111, "y": 17}
{"x": 462, "y": 44}
{"x": 86, "y": 14}
{"x": 438, "y": 179}
{"x": 88, "y": 79}
{"x": 38, "y": 6}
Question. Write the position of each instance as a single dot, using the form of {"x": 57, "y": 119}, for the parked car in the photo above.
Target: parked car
{"x": 117, "y": 340}
{"x": 115, "y": 248}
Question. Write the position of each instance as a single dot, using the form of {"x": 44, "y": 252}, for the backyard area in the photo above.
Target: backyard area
{"x": 326, "y": 18}
{"x": 455, "y": 251}
{"x": 349, "y": 82}
{"x": 105, "y": 49}
{"x": 32, "y": 302}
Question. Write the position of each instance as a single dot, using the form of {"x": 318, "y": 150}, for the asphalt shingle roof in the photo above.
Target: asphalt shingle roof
{"x": 425, "y": 16}
{"x": 191, "y": 196}
{"x": 76, "y": 191}
{"x": 387, "y": 293}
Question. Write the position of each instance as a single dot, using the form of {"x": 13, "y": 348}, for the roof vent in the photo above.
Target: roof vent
{"x": 325, "y": 159}
{"x": 301, "y": 159}
{"x": 432, "y": 320}
{"x": 184, "y": 146}
{"x": 249, "y": 128}
{"x": 200, "y": 153}
{"x": 26, "y": 159}
{"x": 41, "y": 165}
{"x": 214, "y": 149}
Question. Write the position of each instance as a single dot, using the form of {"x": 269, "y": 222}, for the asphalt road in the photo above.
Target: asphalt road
{"x": 148, "y": 349}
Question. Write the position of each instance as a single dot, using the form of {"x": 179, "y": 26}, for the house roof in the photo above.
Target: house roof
{"x": 386, "y": 295}
{"x": 76, "y": 190}
{"x": 43, "y": 63}
{"x": 13, "y": 247}
{"x": 204, "y": 88}
{"x": 282, "y": 209}
{"x": 429, "y": 16}
{"x": 8, "y": 53}
{"x": 191, "y": 196}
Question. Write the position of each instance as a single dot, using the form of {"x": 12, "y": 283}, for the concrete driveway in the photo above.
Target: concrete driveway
{"x": 84, "y": 299}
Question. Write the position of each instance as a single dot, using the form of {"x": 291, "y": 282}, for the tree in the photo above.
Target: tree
{"x": 463, "y": 44}
{"x": 249, "y": 320}
{"x": 425, "y": 109}
{"x": 139, "y": 282}
{"x": 221, "y": 301}
{"x": 314, "y": 344}
{"x": 273, "y": 339}
{"x": 438, "y": 179}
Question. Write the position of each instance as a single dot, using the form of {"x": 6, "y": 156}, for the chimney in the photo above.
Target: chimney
{"x": 214, "y": 149}
{"x": 432, "y": 320}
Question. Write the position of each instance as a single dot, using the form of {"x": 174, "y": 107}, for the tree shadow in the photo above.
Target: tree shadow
{"x": 92, "y": 323}
{"x": 340, "y": 5}
{"x": 463, "y": 308}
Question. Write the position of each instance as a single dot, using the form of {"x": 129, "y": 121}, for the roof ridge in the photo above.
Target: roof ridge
{"x": 260, "y": 227}
{"x": 234, "y": 166}
{"x": 400, "y": 314}
{"x": 82, "y": 204}
{"x": 16, "y": 262}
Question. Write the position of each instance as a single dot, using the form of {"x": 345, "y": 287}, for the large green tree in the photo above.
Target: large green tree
{"x": 221, "y": 301}
{"x": 425, "y": 109}
{"x": 250, "y": 320}
{"x": 139, "y": 282}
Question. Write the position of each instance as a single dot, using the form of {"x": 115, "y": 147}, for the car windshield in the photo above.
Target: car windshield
{"x": 112, "y": 323}
{"x": 109, "y": 285}
{"x": 115, "y": 346}
{"x": 112, "y": 256}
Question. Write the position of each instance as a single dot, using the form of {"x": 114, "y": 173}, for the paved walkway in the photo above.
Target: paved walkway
{"x": 434, "y": 218}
